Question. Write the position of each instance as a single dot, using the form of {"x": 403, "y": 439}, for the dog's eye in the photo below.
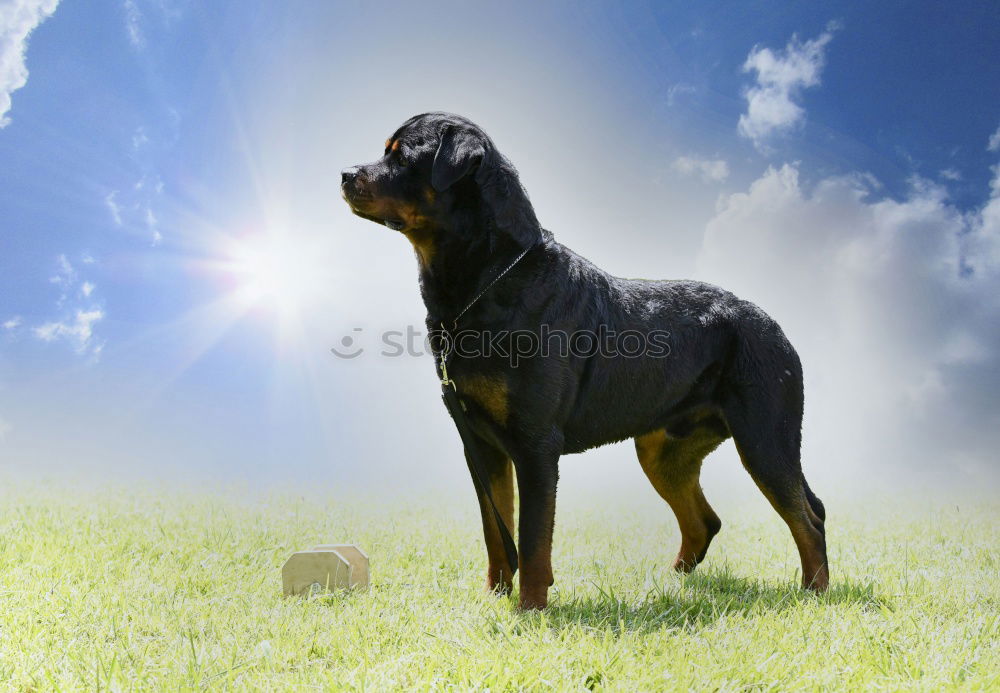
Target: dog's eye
{"x": 402, "y": 161}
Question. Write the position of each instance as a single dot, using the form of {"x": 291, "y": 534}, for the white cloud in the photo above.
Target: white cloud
{"x": 111, "y": 203}
{"x": 65, "y": 277}
{"x": 136, "y": 208}
{"x": 75, "y": 324}
{"x": 18, "y": 18}
{"x": 951, "y": 174}
{"x": 894, "y": 307}
{"x": 710, "y": 170}
{"x": 994, "y": 144}
{"x": 12, "y": 323}
{"x": 166, "y": 12}
{"x": 981, "y": 245}
{"x": 780, "y": 77}
{"x": 149, "y": 182}
{"x": 78, "y": 330}
{"x": 677, "y": 90}
{"x": 139, "y": 138}
{"x": 65, "y": 274}
{"x": 151, "y": 223}
{"x": 132, "y": 20}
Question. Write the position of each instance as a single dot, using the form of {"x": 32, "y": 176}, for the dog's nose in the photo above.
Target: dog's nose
{"x": 348, "y": 175}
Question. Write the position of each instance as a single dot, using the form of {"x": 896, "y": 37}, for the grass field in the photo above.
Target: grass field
{"x": 170, "y": 591}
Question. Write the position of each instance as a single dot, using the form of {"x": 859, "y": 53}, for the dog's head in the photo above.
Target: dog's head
{"x": 440, "y": 171}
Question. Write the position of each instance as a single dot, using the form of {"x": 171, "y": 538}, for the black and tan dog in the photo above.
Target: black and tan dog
{"x": 713, "y": 366}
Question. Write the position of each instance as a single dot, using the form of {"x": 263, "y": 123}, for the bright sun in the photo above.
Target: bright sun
{"x": 272, "y": 270}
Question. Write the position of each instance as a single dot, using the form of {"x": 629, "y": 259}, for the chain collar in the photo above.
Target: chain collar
{"x": 445, "y": 380}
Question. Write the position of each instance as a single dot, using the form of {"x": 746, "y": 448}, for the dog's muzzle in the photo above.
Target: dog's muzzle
{"x": 349, "y": 183}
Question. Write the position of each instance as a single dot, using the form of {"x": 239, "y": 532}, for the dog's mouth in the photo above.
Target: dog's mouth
{"x": 353, "y": 196}
{"x": 394, "y": 224}
{"x": 358, "y": 202}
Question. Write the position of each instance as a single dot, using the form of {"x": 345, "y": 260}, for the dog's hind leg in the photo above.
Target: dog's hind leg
{"x": 673, "y": 466}
{"x": 815, "y": 504}
{"x": 764, "y": 414}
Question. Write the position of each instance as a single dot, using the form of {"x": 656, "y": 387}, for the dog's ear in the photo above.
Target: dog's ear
{"x": 459, "y": 152}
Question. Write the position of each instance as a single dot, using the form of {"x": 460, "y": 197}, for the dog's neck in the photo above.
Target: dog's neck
{"x": 458, "y": 262}
{"x": 457, "y": 272}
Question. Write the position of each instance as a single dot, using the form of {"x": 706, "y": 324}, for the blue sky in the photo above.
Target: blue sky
{"x": 175, "y": 261}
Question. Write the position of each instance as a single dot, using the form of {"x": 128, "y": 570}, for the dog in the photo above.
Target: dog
{"x": 712, "y": 366}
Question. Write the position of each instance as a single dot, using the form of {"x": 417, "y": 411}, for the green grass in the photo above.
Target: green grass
{"x": 171, "y": 591}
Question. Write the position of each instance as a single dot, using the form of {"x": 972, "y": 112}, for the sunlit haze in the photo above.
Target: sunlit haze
{"x": 184, "y": 295}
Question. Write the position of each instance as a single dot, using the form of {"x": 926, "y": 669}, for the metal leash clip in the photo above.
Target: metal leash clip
{"x": 445, "y": 380}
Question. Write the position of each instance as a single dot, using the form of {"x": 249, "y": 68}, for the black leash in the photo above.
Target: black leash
{"x": 474, "y": 452}
{"x": 474, "y": 457}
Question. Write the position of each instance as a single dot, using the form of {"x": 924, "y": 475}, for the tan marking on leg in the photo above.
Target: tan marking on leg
{"x": 808, "y": 540}
{"x": 536, "y": 578}
{"x": 673, "y": 467}
{"x": 648, "y": 446}
{"x": 499, "y": 578}
{"x": 489, "y": 392}
{"x": 698, "y": 524}
{"x": 536, "y": 524}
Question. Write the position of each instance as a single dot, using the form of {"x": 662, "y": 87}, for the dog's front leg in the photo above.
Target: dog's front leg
{"x": 537, "y": 476}
{"x": 500, "y": 477}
